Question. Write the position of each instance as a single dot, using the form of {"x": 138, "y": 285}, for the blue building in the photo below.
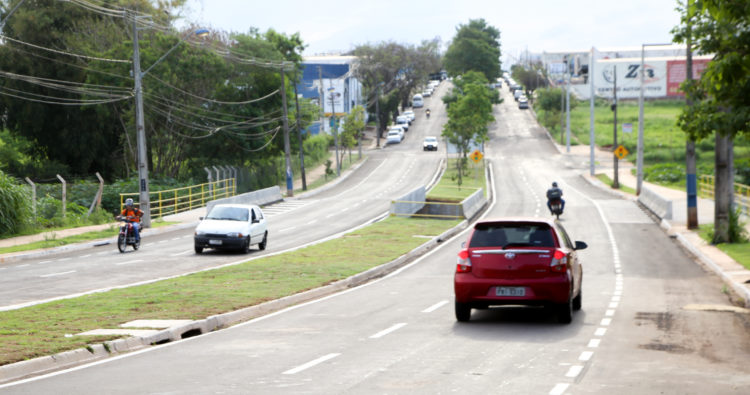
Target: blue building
{"x": 330, "y": 80}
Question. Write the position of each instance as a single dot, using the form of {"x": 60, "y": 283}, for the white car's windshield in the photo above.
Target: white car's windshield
{"x": 229, "y": 213}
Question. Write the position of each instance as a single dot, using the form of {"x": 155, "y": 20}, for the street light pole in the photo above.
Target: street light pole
{"x": 287, "y": 147}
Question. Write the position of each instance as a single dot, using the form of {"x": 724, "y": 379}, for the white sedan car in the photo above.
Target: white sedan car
{"x": 232, "y": 226}
{"x": 410, "y": 114}
{"x": 430, "y": 143}
{"x": 394, "y": 137}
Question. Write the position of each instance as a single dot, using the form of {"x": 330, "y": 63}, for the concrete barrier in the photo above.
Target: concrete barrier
{"x": 410, "y": 203}
{"x": 260, "y": 198}
{"x": 658, "y": 205}
{"x": 473, "y": 203}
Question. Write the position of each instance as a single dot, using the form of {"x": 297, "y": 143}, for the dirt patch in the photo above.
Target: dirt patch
{"x": 663, "y": 321}
{"x": 670, "y": 348}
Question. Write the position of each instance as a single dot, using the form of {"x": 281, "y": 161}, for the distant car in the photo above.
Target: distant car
{"x": 394, "y": 137}
{"x": 523, "y": 102}
{"x": 400, "y": 129}
{"x": 518, "y": 93}
{"x": 518, "y": 261}
{"x": 427, "y": 92}
{"x": 232, "y": 226}
{"x": 430, "y": 143}
{"x": 410, "y": 114}
{"x": 403, "y": 121}
{"x": 417, "y": 101}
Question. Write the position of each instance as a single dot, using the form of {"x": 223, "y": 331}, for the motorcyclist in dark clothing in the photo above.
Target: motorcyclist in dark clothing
{"x": 555, "y": 193}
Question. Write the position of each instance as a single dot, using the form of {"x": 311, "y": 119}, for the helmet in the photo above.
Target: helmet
{"x": 554, "y": 184}
{"x": 129, "y": 202}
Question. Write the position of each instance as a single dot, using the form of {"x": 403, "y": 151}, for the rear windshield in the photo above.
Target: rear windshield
{"x": 512, "y": 235}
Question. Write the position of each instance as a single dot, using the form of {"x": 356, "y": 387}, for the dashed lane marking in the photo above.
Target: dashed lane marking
{"x": 312, "y": 363}
{"x": 57, "y": 274}
{"x": 435, "y": 306}
{"x": 389, "y": 330}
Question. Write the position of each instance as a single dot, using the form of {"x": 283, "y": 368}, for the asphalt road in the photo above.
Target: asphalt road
{"x": 387, "y": 174}
{"x": 638, "y": 331}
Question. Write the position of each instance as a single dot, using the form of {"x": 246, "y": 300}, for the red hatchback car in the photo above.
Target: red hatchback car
{"x": 518, "y": 261}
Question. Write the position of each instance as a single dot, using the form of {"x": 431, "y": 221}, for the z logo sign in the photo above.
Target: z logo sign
{"x": 633, "y": 72}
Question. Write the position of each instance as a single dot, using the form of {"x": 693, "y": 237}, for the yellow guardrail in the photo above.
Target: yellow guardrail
{"x": 706, "y": 187}
{"x": 173, "y": 201}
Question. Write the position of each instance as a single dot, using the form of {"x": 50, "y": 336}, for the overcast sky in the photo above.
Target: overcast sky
{"x": 536, "y": 25}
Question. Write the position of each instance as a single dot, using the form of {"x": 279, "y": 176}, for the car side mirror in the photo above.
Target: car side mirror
{"x": 200, "y": 218}
{"x": 463, "y": 244}
{"x": 581, "y": 245}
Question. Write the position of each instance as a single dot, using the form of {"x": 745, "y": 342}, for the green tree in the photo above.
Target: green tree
{"x": 468, "y": 119}
{"x": 476, "y": 46}
{"x": 354, "y": 123}
{"x": 720, "y": 103}
{"x": 15, "y": 206}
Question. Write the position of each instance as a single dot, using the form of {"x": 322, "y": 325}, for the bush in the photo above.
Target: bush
{"x": 665, "y": 173}
{"x": 15, "y": 206}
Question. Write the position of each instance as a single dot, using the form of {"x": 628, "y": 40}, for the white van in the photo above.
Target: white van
{"x": 417, "y": 101}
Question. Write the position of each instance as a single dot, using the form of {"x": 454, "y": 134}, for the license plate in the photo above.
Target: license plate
{"x": 215, "y": 242}
{"x": 510, "y": 291}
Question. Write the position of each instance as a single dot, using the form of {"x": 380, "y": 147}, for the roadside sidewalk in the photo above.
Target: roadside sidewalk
{"x": 733, "y": 274}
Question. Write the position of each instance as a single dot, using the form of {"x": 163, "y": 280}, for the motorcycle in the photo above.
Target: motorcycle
{"x": 427, "y": 113}
{"x": 127, "y": 235}
{"x": 556, "y": 206}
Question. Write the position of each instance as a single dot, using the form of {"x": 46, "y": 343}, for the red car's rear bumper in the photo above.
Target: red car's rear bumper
{"x": 539, "y": 291}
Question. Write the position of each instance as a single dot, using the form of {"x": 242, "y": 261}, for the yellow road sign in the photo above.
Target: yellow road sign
{"x": 476, "y": 156}
{"x": 621, "y": 152}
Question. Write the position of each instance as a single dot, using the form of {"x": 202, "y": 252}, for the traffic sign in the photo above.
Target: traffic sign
{"x": 476, "y": 156}
{"x": 621, "y": 152}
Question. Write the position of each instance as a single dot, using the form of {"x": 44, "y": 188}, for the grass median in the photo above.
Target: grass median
{"x": 46, "y": 329}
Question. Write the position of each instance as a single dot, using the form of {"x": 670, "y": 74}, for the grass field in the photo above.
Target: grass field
{"x": 448, "y": 189}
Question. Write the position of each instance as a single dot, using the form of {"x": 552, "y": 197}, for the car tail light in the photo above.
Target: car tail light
{"x": 559, "y": 262}
{"x": 464, "y": 262}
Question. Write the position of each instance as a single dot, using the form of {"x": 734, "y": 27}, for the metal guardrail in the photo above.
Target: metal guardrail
{"x": 173, "y": 201}
{"x": 706, "y": 187}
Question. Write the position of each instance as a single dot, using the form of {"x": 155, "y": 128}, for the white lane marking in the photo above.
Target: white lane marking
{"x": 606, "y": 321}
{"x": 616, "y": 298}
{"x": 574, "y": 371}
{"x": 594, "y": 343}
{"x": 435, "y": 307}
{"x": 187, "y": 237}
{"x": 287, "y": 229}
{"x": 163, "y": 241}
{"x": 85, "y": 256}
{"x": 127, "y": 262}
{"x": 330, "y": 215}
{"x": 176, "y": 238}
{"x": 102, "y": 253}
{"x": 45, "y": 261}
{"x": 24, "y": 265}
{"x": 312, "y": 363}
{"x": 312, "y": 222}
{"x": 64, "y": 259}
{"x": 389, "y": 330}
{"x": 57, "y": 274}
{"x": 609, "y": 313}
{"x": 182, "y": 253}
{"x": 613, "y": 305}
{"x": 559, "y": 389}
{"x": 600, "y": 332}
{"x": 586, "y": 355}
{"x": 149, "y": 244}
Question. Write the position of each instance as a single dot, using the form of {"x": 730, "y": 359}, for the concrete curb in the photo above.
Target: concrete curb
{"x": 68, "y": 359}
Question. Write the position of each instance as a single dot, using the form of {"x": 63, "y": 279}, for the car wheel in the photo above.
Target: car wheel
{"x": 578, "y": 300}
{"x": 565, "y": 312}
{"x": 198, "y": 250}
{"x": 463, "y": 312}
{"x": 246, "y": 246}
{"x": 262, "y": 245}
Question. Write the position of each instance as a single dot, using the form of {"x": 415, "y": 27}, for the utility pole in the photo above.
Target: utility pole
{"x": 567, "y": 110}
{"x": 143, "y": 200}
{"x": 287, "y": 148}
{"x": 377, "y": 116}
{"x": 322, "y": 99}
{"x": 592, "y": 157}
{"x": 690, "y": 160}
{"x": 616, "y": 180}
{"x": 334, "y": 128}
{"x": 299, "y": 134}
